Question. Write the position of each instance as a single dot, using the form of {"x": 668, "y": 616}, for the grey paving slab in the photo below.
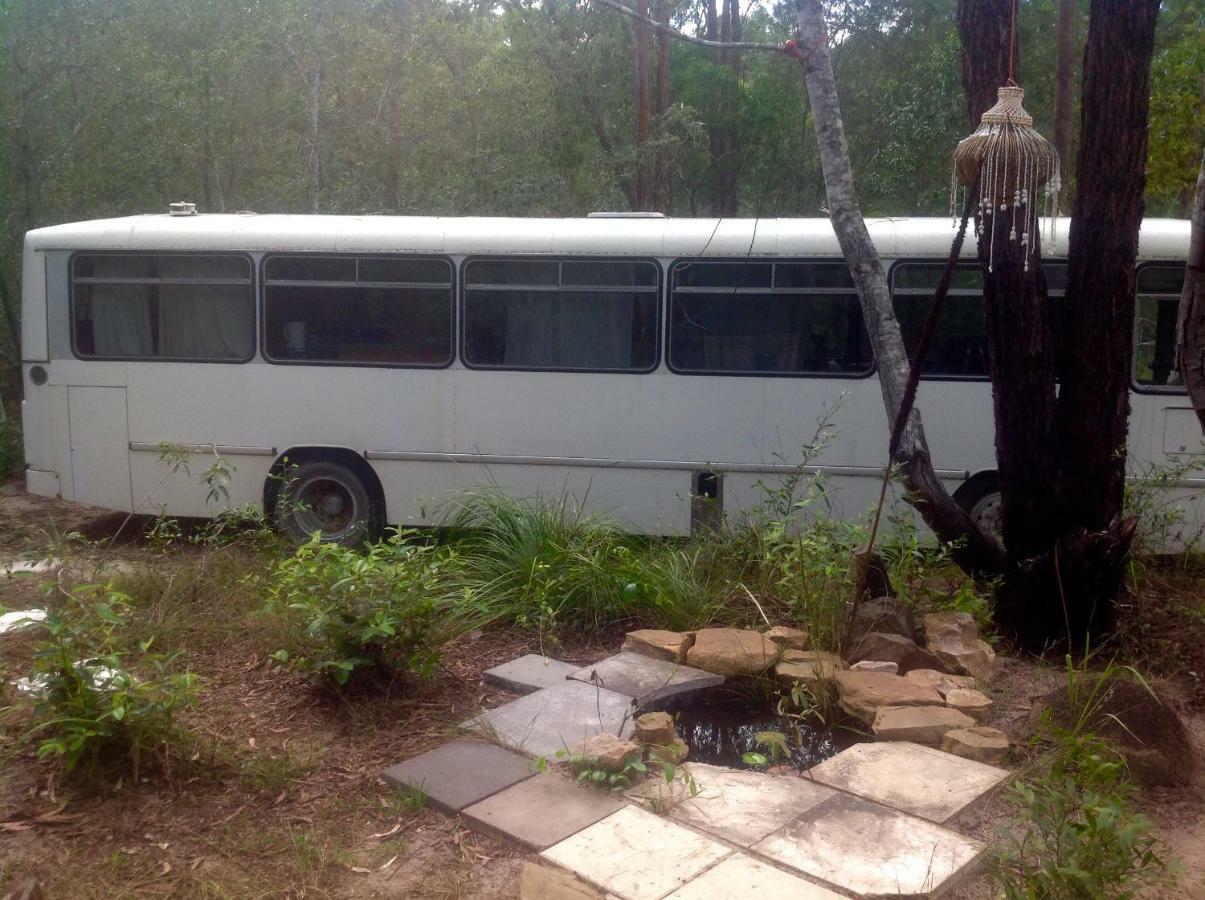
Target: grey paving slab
{"x": 636, "y": 855}
{"x": 541, "y": 811}
{"x": 460, "y": 773}
{"x": 741, "y": 877}
{"x": 744, "y": 807}
{"x": 872, "y": 851}
{"x": 645, "y": 678}
{"x": 529, "y": 673}
{"x": 556, "y": 718}
{"x": 906, "y": 776}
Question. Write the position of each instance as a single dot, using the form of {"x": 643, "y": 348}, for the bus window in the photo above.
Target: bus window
{"x": 1158, "y": 305}
{"x": 762, "y": 318}
{"x": 162, "y": 306}
{"x": 561, "y": 315}
{"x": 365, "y": 311}
{"x": 959, "y": 348}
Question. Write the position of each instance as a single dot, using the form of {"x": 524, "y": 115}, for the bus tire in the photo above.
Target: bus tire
{"x": 979, "y": 496}
{"x": 327, "y": 498}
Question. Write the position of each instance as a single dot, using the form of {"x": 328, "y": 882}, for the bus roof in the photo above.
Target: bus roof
{"x": 627, "y": 236}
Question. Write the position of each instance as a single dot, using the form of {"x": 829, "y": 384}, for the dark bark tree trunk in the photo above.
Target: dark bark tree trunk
{"x": 660, "y": 110}
{"x": 1190, "y": 340}
{"x": 1020, "y": 339}
{"x": 644, "y": 107}
{"x": 1064, "y": 96}
{"x": 926, "y": 492}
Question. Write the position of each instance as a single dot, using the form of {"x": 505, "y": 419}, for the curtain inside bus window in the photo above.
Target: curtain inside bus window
{"x": 204, "y": 321}
{"x": 121, "y": 322}
{"x": 1155, "y": 316}
{"x": 584, "y": 331}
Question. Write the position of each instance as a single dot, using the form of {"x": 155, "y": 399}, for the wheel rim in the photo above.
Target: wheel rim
{"x": 988, "y": 514}
{"x": 327, "y": 506}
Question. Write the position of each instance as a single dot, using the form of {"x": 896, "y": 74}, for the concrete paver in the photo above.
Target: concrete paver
{"x": 541, "y": 811}
{"x": 645, "y": 678}
{"x": 529, "y": 673}
{"x": 460, "y": 773}
{"x": 741, "y": 877}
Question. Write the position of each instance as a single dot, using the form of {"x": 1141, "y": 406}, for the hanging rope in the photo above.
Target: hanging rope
{"x": 1012, "y": 46}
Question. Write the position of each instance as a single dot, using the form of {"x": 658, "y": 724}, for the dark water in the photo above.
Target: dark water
{"x": 721, "y": 728}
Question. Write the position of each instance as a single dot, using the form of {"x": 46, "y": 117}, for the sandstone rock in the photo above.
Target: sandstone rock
{"x": 919, "y": 724}
{"x": 875, "y": 665}
{"x": 675, "y": 752}
{"x": 655, "y": 728}
{"x": 954, "y": 638}
{"x": 883, "y": 614}
{"x": 788, "y": 638}
{"x": 942, "y": 682}
{"x": 538, "y": 882}
{"x": 975, "y": 704}
{"x": 861, "y": 694}
{"x": 732, "y": 651}
{"x": 980, "y": 743}
{"x": 895, "y": 648}
{"x": 812, "y": 667}
{"x": 606, "y": 751}
{"x": 668, "y": 645}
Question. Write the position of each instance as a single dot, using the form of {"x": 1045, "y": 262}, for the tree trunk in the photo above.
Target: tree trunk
{"x": 660, "y": 111}
{"x": 1064, "y": 82}
{"x": 1016, "y": 313}
{"x": 1190, "y": 341}
{"x": 975, "y": 552}
{"x": 644, "y": 107}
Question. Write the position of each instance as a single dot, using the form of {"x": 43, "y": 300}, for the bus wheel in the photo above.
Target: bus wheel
{"x": 328, "y": 499}
{"x": 980, "y": 499}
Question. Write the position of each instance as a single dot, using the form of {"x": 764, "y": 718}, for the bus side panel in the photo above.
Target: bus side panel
{"x": 34, "y": 344}
{"x": 196, "y": 484}
{"x": 417, "y": 493}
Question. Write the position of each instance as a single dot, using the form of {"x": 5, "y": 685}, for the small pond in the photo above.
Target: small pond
{"x": 721, "y": 726}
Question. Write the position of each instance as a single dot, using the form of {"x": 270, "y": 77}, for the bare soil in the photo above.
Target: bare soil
{"x": 284, "y": 798}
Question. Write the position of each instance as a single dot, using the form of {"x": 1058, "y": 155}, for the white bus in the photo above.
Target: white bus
{"x": 637, "y": 362}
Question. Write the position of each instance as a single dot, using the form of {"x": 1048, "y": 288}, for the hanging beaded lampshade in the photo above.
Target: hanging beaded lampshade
{"x": 1014, "y": 162}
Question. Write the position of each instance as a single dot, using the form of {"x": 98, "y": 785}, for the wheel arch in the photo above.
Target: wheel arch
{"x": 304, "y": 453}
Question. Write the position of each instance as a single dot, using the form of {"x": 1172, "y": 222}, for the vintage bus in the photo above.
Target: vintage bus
{"x": 637, "y": 362}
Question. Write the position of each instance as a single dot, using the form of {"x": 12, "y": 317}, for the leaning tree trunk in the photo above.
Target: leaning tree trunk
{"x": 976, "y": 552}
{"x": 1190, "y": 341}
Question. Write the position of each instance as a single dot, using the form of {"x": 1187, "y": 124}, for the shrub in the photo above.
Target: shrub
{"x": 368, "y": 615}
{"x": 91, "y": 709}
{"x": 12, "y": 458}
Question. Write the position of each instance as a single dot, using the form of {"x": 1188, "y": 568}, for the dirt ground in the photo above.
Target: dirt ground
{"x": 284, "y": 799}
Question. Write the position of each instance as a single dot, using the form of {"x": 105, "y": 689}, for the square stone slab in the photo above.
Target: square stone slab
{"x": 911, "y": 778}
{"x": 529, "y": 673}
{"x": 636, "y": 855}
{"x": 742, "y": 877}
{"x": 556, "y": 718}
{"x": 744, "y": 807}
{"x": 872, "y": 851}
{"x": 541, "y": 811}
{"x": 460, "y": 773}
{"x": 645, "y": 678}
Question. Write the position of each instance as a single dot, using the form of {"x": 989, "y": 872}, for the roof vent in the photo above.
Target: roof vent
{"x": 181, "y": 208}
{"x": 626, "y": 215}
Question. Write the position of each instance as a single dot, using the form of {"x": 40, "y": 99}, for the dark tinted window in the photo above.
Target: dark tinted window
{"x": 386, "y": 311}
{"x": 1155, "y": 325}
{"x": 561, "y": 315}
{"x": 162, "y": 306}
{"x": 766, "y": 319}
{"x": 959, "y": 348}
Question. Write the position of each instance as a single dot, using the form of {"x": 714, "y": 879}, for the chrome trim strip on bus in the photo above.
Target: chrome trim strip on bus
{"x": 667, "y": 464}
{"x": 223, "y": 449}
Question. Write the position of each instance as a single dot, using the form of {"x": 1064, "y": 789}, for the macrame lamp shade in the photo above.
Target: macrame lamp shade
{"x": 1013, "y": 163}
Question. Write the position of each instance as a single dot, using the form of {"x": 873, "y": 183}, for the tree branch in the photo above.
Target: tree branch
{"x": 689, "y": 38}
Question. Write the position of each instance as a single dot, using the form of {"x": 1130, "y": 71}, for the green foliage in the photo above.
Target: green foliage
{"x": 372, "y": 614}
{"x": 1076, "y": 832}
{"x": 92, "y": 709}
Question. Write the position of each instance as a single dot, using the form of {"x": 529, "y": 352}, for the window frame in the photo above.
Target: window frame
{"x": 933, "y": 262}
{"x": 1159, "y": 390}
{"x": 324, "y": 254}
{"x": 251, "y": 284}
{"x": 871, "y": 370}
{"x": 657, "y": 291}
